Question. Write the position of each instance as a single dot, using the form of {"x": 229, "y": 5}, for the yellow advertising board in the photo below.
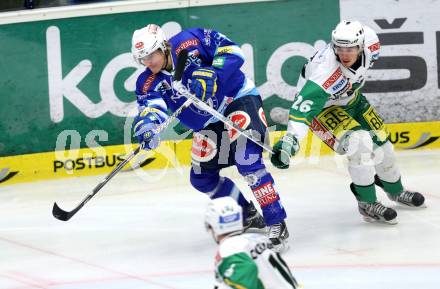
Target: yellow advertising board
{"x": 101, "y": 160}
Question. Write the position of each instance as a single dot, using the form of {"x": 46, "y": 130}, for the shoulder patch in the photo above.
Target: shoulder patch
{"x": 332, "y": 79}
{"x": 187, "y": 43}
{"x": 219, "y": 62}
{"x": 374, "y": 47}
{"x": 148, "y": 82}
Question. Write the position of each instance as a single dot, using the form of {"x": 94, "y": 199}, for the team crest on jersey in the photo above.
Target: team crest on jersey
{"x": 164, "y": 87}
{"x": 241, "y": 119}
{"x": 186, "y": 44}
{"x": 193, "y": 58}
{"x": 203, "y": 148}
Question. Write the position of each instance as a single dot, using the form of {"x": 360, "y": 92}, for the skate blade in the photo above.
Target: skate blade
{"x": 264, "y": 230}
{"x": 403, "y": 205}
{"x": 281, "y": 248}
{"x": 373, "y": 220}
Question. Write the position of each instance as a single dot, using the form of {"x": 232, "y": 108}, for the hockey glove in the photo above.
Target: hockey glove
{"x": 203, "y": 83}
{"x": 285, "y": 148}
{"x": 144, "y": 128}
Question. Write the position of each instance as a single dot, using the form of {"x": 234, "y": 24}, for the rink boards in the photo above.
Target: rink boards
{"x": 174, "y": 154}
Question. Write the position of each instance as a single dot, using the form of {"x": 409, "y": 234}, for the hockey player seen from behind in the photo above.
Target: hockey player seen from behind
{"x": 212, "y": 73}
{"x": 243, "y": 260}
{"x": 331, "y": 104}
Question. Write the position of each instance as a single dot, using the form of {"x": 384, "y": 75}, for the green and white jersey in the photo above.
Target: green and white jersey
{"x": 245, "y": 262}
{"x": 324, "y": 81}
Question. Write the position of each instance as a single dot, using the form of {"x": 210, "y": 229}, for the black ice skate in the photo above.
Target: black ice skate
{"x": 372, "y": 212}
{"x": 278, "y": 235}
{"x": 377, "y": 212}
{"x": 407, "y": 198}
{"x": 253, "y": 220}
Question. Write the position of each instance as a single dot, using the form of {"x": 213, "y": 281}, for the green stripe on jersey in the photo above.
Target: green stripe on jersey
{"x": 308, "y": 103}
{"x": 240, "y": 271}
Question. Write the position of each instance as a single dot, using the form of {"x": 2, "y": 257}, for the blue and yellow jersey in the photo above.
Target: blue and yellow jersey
{"x": 206, "y": 48}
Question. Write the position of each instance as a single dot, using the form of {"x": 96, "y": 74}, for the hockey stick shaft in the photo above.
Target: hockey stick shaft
{"x": 62, "y": 215}
{"x": 177, "y": 85}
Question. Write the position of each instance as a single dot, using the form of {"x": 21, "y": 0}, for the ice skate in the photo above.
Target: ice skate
{"x": 278, "y": 235}
{"x": 253, "y": 221}
{"x": 407, "y": 198}
{"x": 372, "y": 212}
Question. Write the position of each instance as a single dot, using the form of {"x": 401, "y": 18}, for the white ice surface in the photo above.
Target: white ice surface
{"x": 138, "y": 233}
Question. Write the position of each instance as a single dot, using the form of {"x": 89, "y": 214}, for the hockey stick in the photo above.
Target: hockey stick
{"x": 177, "y": 85}
{"x": 62, "y": 215}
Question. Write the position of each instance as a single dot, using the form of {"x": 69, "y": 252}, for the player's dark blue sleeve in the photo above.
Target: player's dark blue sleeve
{"x": 148, "y": 94}
{"x": 227, "y": 57}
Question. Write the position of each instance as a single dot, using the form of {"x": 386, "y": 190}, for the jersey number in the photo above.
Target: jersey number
{"x": 302, "y": 106}
{"x": 282, "y": 267}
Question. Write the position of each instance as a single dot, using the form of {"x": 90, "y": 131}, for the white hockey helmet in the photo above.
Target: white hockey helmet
{"x": 147, "y": 40}
{"x": 348, "y": 34}
{"x": 224, "y": 216}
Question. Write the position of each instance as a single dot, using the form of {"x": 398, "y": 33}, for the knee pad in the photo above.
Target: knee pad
{"x": 385, "y": 163}
{"x": 254, "y": 178}
{"x": 359, "y": 148}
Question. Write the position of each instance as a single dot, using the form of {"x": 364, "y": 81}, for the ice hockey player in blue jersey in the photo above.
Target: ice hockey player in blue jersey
{"x": 212, "y": 73}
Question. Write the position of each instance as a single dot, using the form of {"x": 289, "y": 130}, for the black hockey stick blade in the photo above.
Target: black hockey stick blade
{"x": 62, "y": 215}
{"x": 180, "y": 67}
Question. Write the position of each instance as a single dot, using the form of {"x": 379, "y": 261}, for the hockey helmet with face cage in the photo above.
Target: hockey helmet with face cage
{"x": 147, "y": 40}
{"x": 348, "y": 34}
{"x": 223, "y": 216}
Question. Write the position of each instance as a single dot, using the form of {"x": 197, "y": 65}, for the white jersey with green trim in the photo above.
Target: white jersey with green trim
{"x": 324, "y": 82}
{"x": 339, "y": 82}
{"x": 273, "y": 272}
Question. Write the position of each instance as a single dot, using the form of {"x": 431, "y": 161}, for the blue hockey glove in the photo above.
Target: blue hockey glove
{"x": 285, "y": 148}
{"x": 203, "y": 83}
{"x": 144, "y": 128}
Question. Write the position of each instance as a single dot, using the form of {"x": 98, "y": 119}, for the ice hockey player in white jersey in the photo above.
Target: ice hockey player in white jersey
{"x": 243, "y": 260}
{"x": 331, "y": 104}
